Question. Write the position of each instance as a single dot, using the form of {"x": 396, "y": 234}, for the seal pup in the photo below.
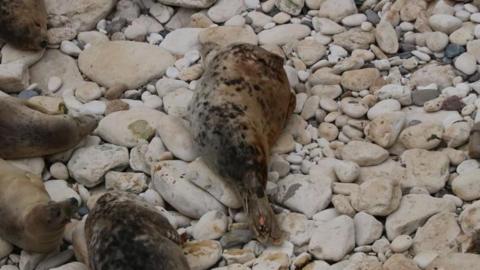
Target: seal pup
{"x": 239, "y": 109}
{"x": 123, "y": 232}
{"x": 29, "y": 219}
{"x": 24, "y": 23}
{"x": 25, "y": 131}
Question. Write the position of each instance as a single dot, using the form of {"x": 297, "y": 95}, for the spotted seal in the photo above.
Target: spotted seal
{"x": 29, "y": 219}
{"x": 24, "y": 23}
{"x": 240, "y": 107}
{"x": 25, "y": 131}
{"x": 123, "y": 232}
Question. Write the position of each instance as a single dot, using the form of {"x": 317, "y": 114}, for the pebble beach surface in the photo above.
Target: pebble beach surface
{"x": 372, "y": 171}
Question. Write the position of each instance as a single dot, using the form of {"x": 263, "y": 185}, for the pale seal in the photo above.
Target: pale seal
{"x": 27, "y": 132}
{"x": 29, "y": 219}
{"x": 23, "y": 23}
{"x": 124, "y": 232}
{"x": 240, "y": 107}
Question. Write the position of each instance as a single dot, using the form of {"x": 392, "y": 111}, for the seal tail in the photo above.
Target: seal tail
{"x": 260, "y": 213}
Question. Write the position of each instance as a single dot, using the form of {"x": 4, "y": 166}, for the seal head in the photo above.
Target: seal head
{"x": 24, "y": 23}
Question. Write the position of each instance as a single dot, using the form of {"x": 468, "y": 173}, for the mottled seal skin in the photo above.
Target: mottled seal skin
{"x": 23, "y": 23}
{"x": 125, "y": 233}
{"x": 26, "y": 132}
{"x": 29, "y": 219}
{"x": 239, "y": 109}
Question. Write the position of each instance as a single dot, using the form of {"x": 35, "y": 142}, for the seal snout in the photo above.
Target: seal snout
{"x": 43, "y": 44}
{"x": 86, "y": 124}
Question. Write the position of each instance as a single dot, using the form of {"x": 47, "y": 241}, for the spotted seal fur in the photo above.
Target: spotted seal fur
{"x": 25, "y": 131}
{"x": 239, "y": 109}
{"x": 23, "y": 23}
{"x": 29, "y": 219}
{"x": 124, "y": 232}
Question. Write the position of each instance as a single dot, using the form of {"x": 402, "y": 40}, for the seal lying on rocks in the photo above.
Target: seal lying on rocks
{"x": 29, "y": 219}
{"x": 240, "y": 107}
{"x": 24, "y": 23}
{"x": 125, "y": 233}
{"x": 26, "y": 132}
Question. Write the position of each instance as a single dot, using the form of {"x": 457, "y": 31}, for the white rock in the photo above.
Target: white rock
{"x": 282, "y": 34}
{"x": 401, "y": 243}
{"x": 201, "y": 255}
{"x": 127, "y": 62}
{"x": 304, "y": 194}
{"x": 70, "y": 48}
{"x": 428, "y": 169}
{"x": 466, "y": 63}
{"x": 383, "y": 107}
{"x": 353, "y": 107}
{"x": 327, "y": 26}
{"x": 176, "y": 102}
{"x": 425, "y": 135}
{"x": 58, "y": 170}
{"x": 89, "y": 164}
{"x": 354, "y": 20}
{"x": 58, "y": 190}
{"x": 177, "y": 138}
{"x": 211, "y": 226}
{"x": 439, "y": 234}
{"x": 444, "y": 23}
{"x": 386, "y": 37}
{"x": 399, "y": 92}
{"x": 364, "y": 153}
{"x": 333, "y": 240}
{"x": 377, "y": 196}
{"x": 367, "y": 229}
{"x": 297, "y": 226}
{"x": 336, "y": 10}
{"x": 202, "y": 176}
{"x": 129, "y": 128}
{"x": 385, "y": 129}
{"x": 182, "y": 40}
{"x": 225, "y": 9}
{"x": 126, "y": 181}
{"x": 169, "y": 181}
{"x": 346, "y": 171}
{"x": 467, "y": 185}
{"x": 414, "y": 210}
{"x": 5, "y": 248}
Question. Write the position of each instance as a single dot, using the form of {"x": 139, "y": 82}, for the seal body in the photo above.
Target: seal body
{"x": 24, "y": 23}
{"x": 125, "y": 233}
{"x": 29, "y": 219}
{"x": 26, "y": 132}
{"x": 239, "y": 109}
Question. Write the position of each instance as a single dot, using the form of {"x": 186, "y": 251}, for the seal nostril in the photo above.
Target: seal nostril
{"x": 44, "y": 44}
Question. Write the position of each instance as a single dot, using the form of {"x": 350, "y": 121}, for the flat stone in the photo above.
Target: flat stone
{"x": 428, "y": 169}
{"x": 353, "y": 39}
{"x": 439, "y": 234}
{"x": 226, "y": 35}
{"x": 13, "y": 77}
{"x": 189, "y": 3}
{"x": 336, "y": 10}
{"x": 441, "y": 75}
{"x": 89, "y": 164}
{"x": 444, "y": 23}
{"x": 367, "y": 229}
{"x": 467, "y": 185}
{"x": 385, "y": 129}
{"x": 202, "y": 255}
{"x": 177, "y": 138}
{"x": 453, "y": 261}
{"x": 361, "y": 79}
{"x": 282, "y": 34}
{"x": 223, "y": 10}
{"x": 414, "y": 210}
{"x": 425, "y": 135}
{"x": 182, "y": 40}
{"x": 127, "y": 62}
{"x": 378, "y": 197}
{"x": 131, "y": 127}
{"x": 364, "y": 153}
{"x": 386, "y": 37}
{"x": 333, "y": 240}
{"x": 83, "y": 15}
{"x": 170, "y": 182}
{"x": 294, "y": 190}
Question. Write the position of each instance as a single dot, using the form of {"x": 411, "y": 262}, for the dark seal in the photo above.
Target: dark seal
{"x": 125, "y": 233}
{"x": 23, "y": 23}
{"x": 25, "y": 131}
{"x": 240, "y": 107}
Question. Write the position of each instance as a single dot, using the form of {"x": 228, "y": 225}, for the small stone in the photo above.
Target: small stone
{"x": 58, "y": 170}
{"x": 444, "y": 23}
{"x": 401, "y": 243}
{"x": 364, "y": 153}
{"x": 211, "y": 225}
{"x": 201, "y": 255}
{"x": 367, "y": 229}
{"x": 59, "y": 191}
{"x": 54, "y": 83}
{"x": 386, "y": 37}
{"x": 454, "y": 50}
{"x": 283, "y": 34}
{"x": 336, "y": 10}
{"x": 126, "y": 181}
{"x": 333, "y": 240}
{"x": 466, "y": 185}
{"x": 466, "y": 63}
